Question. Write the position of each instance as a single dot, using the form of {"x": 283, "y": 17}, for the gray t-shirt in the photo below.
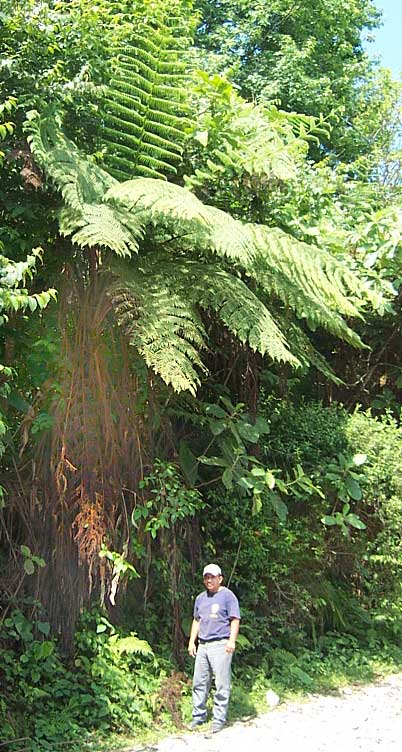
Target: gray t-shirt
{"x": 214, "y": 611}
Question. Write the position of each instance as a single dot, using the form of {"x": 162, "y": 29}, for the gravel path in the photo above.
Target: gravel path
{"x": 356, "y": 719}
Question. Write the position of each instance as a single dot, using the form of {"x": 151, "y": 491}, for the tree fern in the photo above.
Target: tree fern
{"x": 248, "y": 274}
{"x": 162, "y": 325}
{"x": 146, "y": 101}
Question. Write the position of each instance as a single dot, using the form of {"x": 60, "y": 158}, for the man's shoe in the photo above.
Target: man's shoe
{"x": 216, "y": 727}
{"x": 194, "y": 725}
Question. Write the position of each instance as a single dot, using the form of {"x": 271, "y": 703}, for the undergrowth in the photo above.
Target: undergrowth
{"x": 116, "y": 691}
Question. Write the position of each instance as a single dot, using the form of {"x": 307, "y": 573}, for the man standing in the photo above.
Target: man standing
{"x": 216, "y": 626}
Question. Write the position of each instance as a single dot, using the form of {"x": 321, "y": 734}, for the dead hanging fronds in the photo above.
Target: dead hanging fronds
{"x": 86, "y": 469}
{"x": 89, "y": 531}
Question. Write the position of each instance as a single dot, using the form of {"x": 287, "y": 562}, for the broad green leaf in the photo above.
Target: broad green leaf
{"x": 48, "y": 648}
{"x": 227, "y": 478}
{"x": 216, "y": 411}
{"x": 44, "y": 627}
{"x": 355, "y": 521}
{"x": 215, "y": 461}
{"x": 32, "y": 303}
{"x": 201, "y": 137}
{"x": 353, "y": 488}
{"x": 270, "y": 480}
{"x": 248, "y": 432}
{"x": 262, "y": 425}
{"x": 29, "y": 567}
{"x": 244, "y": 483}
{"x": 257, "y": 505}
{"x": 278, "y": 506}
{"x": 188, "y": 462}
{"x": 258, "y": 472}
{"x": 133, "y": 644}
{"x": 217, "y": 426}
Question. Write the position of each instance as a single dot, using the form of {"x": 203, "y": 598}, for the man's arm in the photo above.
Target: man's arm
{"x": 195, "y": 628}
{"x": 234, "y": 631}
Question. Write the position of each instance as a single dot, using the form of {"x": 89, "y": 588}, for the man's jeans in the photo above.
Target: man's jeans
{"x": 211, "y": 660}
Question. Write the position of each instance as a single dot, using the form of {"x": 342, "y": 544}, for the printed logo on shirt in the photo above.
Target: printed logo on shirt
{"x": 214, "y": 611}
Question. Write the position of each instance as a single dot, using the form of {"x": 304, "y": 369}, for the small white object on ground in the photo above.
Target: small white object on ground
{"x": 272, "y": 698}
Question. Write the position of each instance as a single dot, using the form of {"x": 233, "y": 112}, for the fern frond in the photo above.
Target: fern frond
{"x": 146, "y": 110}
{"x": 158, "y": 305}
{"x": 318, "y": 274}
{"x": 77, "y": 178}
{"x": 162, "y": 325}
{"x": 82, "y": 184}
{"x": 309, "y": 280}
{"x": 306, "y": 352}
{"x": 239, "y": 309}
{"x": 181, "y": 212}
{"x": 103, "y": 226}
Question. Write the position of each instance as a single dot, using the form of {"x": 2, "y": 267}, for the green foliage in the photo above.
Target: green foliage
{"x": 31, "y": 560}
{"x": 6, "y": 126}
{"x": 338, "y": 576}
{"x": 12, "y": 296}
{"x": 345, "y": 484}
{"x": 113, "y": 682}
{"x": 279, "y": 51}
{"x": 15, "y": 297}
{"x": 145, "y": 100}
{"x": 253, "y": 148}
{"x": 98, "y": 210}
{"x": 338, "y": 661}
{"x": 169, "y": 503}
{"x": 232, "y": 431}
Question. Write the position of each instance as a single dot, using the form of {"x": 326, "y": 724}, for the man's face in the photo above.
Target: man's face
{"x": 212, "y": 582}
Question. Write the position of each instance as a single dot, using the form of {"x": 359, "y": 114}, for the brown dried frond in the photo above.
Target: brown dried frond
{"x": 170, "y": 695}
{"x": 90, "y": 528}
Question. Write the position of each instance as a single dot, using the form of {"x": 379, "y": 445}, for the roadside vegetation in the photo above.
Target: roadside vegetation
{"x": 200, "y": 337}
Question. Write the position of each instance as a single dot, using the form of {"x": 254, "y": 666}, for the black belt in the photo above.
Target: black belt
{"x": 217, "y": 639}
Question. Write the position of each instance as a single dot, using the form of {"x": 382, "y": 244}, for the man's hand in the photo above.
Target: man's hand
{"x": 192, "y": 650}
{"x": 230, "y": 646}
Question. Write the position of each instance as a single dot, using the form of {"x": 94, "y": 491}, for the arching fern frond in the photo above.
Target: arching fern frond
{"x": 239, "y": 309}
{"x": 83, "y": 185}
{"x": 309, "y": 280}
{"x": 78, "y": 179}
{"x": 162, "y": 325}
{"x": 306, "y": 352}
{"x": 312, "y": 270}
{"x": 103, "y": 226}
{"x": 145, "y": 105}
{"x": 158, "y": 304}
{"x": 183, "y": 214}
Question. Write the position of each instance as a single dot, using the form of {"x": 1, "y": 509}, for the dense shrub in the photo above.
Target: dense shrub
{"x": 298, "y": 579}
{"x": 112, "y": 682}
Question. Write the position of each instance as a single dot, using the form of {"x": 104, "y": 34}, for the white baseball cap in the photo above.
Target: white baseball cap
{"x": 212, "y": 569}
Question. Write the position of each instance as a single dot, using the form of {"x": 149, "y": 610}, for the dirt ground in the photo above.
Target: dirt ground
{"x": 356, "y": 719}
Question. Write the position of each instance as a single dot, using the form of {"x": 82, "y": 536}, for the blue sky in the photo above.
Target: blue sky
{"x": 388, "y": 39}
